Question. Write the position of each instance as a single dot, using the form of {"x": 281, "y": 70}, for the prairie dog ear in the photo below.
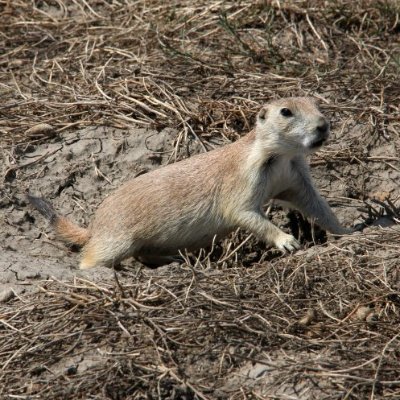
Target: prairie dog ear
{"x": 262, "y": 114}
{"x": 315, "y": 100}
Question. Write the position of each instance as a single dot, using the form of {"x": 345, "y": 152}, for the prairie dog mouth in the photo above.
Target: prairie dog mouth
{"x": 317, "y": 143}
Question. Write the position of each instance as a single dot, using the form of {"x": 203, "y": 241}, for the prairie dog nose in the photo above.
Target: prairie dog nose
{"x": 323, "y": 127}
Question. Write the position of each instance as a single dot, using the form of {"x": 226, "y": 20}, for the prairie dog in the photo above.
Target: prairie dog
{"x": 184, "y": 205}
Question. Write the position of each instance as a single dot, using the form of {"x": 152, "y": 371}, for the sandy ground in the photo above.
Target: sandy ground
{"x": 75, "y": 173}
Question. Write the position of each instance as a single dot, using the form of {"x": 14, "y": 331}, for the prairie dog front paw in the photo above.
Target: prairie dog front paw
{"x": 286, "y": 242}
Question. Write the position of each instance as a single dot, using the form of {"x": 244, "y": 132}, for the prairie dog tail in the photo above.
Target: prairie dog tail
{"x": 64, "y": 228}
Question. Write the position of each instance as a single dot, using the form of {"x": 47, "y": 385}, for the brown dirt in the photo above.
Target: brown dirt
{"x": 75, "y": 173}
{"x": 126, "y": 87}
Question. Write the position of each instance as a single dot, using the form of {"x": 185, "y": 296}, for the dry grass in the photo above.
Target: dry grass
{"x": 327, "y": 324}
{"x": 203, "y": 69}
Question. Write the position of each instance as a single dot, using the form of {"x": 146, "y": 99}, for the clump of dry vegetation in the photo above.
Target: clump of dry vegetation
{"x": 323, "y": 325}
{"x": 319, "y": 324}
{"x": 203, "y": 68}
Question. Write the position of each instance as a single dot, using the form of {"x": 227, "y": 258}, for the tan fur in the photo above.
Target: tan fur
{"x": 184, "y": 205}
{"x": 70, "y": 232}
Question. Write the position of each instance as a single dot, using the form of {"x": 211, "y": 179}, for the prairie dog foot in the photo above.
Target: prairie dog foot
{"x": 286, "y": 242}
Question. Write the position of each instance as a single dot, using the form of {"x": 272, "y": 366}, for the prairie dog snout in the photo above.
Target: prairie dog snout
{"x": 184, "y": 205}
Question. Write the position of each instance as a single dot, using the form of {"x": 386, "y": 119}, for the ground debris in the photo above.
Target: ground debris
{"x": 185, "y": 330}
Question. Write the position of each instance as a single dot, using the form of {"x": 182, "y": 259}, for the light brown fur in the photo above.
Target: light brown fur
{"x": 71, "y": 233}
{"x": 184, "y": 205}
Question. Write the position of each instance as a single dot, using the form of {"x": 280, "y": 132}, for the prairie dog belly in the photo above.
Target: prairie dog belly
{"x": 174, "y": 245}
{"x": 186, "y": 234}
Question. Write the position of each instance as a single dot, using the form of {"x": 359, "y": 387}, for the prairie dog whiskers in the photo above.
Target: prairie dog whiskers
{"x": 184, "y": 205}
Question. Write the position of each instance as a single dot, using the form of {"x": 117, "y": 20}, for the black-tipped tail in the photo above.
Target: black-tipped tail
{"x": 44, "y": 207}
{"x": 64, "y": 228}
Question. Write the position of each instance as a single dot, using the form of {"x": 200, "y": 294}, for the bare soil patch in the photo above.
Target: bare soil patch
{"x": 120, "y": 88}
{"x": 75, "y": 173}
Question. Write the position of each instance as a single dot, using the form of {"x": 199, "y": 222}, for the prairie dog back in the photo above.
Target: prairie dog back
{"x": 184, "y": 205}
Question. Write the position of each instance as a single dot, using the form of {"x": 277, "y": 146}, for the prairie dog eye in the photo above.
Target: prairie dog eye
{"x": 286, "y": 112}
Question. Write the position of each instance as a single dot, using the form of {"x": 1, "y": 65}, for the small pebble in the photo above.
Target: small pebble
{"x": 6, "y": 294}
{"x": 362, "y": 313}
{"x": 40, "y": 130}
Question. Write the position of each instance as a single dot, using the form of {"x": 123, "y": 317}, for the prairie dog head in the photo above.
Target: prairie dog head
{"x": 292, "y": 125}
